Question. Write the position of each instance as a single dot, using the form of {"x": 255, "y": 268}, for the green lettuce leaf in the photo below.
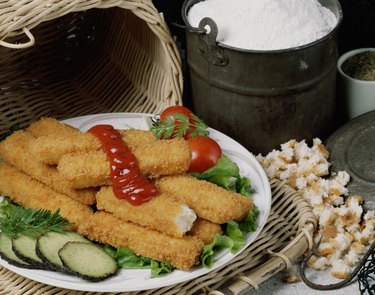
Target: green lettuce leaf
{"x": 238, "y": 237}
{"x": 250, "y": 223}
{"x": 220, "y": 242}
{"x": 160, "y": 268}
{"x": 6, "y": 208}
{"x": 233, "y": 239}
{"x": 226, "y": 174}
{"x": 128, "y": 260}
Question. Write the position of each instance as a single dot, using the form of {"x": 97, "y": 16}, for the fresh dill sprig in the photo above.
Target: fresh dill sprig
{"x": 32, "y": 222}
{"x": 181, "y": 126}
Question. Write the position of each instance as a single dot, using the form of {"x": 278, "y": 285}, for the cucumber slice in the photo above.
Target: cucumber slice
{"x": 48, "y": 246}
{"x": 88, "y": 261}
{"x": 7, "y": 253}
{"x": 24, "y": 248}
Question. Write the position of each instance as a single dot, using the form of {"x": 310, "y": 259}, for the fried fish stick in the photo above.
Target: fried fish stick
{"x": 14, "y": 150}
{"x": 105, "y": 228}
{"x": 205, "y": 230}
{"x": 160, "y": 213}
{"x": 84, "y": 170}
{"x": 162, "y": 157}
{"x": 31, "y": 193}
{"x": 208, "y": 200}
{"x": 46, "y": 126}
{"x": 135, "y": 138}
{"x": 50, "y": 148}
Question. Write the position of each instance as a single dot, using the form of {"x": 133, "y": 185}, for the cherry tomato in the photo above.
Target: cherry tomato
{"x": 169, "y": 113}
{"x": 205, "y": 153}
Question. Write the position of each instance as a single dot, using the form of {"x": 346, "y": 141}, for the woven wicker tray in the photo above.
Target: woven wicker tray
{"x": 69, "y": 58}
{"x": 285, "y": 237}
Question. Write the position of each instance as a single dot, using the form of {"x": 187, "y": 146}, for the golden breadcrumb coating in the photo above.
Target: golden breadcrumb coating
{"x": 208, "y": 200}
{"x": 14, "y": 150}
{"x": 205, "y": 230}
{"x": 182, "y": 253}
{"x": 160, "y": 213}
{"x": 50, "y": 148}
{"x": 91, "y": 169}
{"x": 31, "y": 193}
{"x": 46, "y": 126}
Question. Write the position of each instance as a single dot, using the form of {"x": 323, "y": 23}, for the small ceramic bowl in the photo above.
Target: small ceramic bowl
{"x": 356, "y": 96}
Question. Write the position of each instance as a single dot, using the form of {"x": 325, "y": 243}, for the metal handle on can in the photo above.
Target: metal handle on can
{"x": 208, "y": 47}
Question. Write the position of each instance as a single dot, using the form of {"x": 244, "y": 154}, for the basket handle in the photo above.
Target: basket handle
{"x": 31, "y": 41}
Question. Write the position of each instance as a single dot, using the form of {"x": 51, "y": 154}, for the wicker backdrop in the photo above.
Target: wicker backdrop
{"x": 87, "y": 57}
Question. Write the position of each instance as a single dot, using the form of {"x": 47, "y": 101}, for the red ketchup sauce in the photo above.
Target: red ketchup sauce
{"x": 128, "y": 182}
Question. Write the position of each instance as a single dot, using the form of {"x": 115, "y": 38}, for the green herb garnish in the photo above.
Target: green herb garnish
{"x": 181, "y": 126}
{"x": 16, "y": 220}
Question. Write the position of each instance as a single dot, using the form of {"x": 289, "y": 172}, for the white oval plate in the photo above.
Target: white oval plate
{"x": 136, "y": 280}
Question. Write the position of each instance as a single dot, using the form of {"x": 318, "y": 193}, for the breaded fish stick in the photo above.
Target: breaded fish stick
{"x": 160, "y": 213}
{"x": 50, "y": 148}
{"x": 205, "y": 230}
{"x": 46, "y": 126}
{"x": 208, "y": 200}
{"x": 162, "y": 157}
{"x": 14, "y": 150}
{"x": 181, "y": 253}
{"x": 31, "y": 193}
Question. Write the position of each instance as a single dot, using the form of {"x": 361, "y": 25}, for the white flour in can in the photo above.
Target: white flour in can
{"x": 265, "y": 24}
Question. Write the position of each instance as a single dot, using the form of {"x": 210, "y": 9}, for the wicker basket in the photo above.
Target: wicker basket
{"x": 69, "y": 58}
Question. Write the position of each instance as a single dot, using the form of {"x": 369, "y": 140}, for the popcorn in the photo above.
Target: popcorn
{"x": 341, "y": 241}
{"x": 327, "y": 217}
{"x": 346, "y": 231}
{"x": 287, "y": 150}
{"x": 301, "y": 183}
{"x": 318, "y": 263}
{"x": 290, "y": 169}
{"x": 370, "y": 215}
{"x": 343, "y": 177}
{"x": 340, "y": 269}
{"x": 357, "y": 247}
{"x": 352, "y": 257}
{"x": 325, "y": 249}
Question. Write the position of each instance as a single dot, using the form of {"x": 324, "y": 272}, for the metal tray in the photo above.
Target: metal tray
{"x": 352, "y": 148}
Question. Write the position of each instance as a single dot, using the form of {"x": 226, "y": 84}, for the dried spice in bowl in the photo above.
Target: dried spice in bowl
{"x": 360, "y": 66}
